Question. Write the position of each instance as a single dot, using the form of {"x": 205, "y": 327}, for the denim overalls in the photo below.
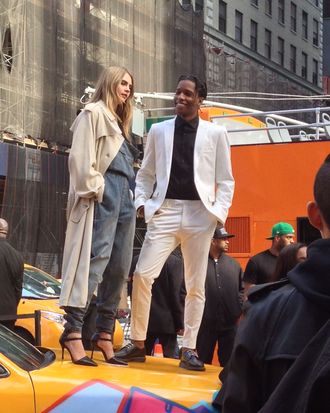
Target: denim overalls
{"x": 112, "y": 243}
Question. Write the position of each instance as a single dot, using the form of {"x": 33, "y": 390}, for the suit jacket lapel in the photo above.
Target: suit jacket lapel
{"x": 168, "y": 144}
{"x": 199, "y": 139}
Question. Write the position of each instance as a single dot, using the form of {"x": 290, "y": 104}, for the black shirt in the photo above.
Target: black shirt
{"x": 223, "y": 293}
{"x": 260, "y": 268}
{"x": 181, "y": 184}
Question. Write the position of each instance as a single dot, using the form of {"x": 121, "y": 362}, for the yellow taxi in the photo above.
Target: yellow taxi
{"x": 41, "y": 292}
{"x": 37, "y": 380}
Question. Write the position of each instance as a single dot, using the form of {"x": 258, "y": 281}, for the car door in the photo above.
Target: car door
{"x": 16, "y": 391}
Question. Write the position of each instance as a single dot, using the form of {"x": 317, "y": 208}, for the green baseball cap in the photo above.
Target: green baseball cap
{"x": 281, "y": 228}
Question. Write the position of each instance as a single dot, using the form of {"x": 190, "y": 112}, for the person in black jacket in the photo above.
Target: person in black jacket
{"x": 11, "y": 277}
{"x": 308, "y": 380}
{"x": 223, "y": 301}
{"x": 167, "y": 306}
{"x": 282, "y": 318}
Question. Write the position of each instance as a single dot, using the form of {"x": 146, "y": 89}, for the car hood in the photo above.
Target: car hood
{"x": 146, "y": 386}
{"x": 51, "y": 304}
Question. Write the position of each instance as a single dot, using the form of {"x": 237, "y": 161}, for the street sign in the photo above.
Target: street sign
{"x": 151, "y": 121}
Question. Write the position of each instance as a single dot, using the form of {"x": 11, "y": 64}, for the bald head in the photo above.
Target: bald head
{"x": 3, "y": 228}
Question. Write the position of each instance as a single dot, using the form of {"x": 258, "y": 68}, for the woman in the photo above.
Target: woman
{"x": 101, "y": 214}
{"x": 288, "y": 258}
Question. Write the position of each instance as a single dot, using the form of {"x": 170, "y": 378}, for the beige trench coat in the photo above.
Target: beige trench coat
{"x": 96, "y": 141}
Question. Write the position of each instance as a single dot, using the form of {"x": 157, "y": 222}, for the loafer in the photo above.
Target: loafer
{"x": 131, "y": 353}
{"x": 190, "y": 361}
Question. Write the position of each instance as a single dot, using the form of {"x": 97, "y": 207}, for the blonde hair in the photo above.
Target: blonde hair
{"x": 106, "y": 90}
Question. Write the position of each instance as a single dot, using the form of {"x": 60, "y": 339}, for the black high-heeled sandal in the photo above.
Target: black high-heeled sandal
{"x": 112, "y": 360}
{"x": 84, "y": 361}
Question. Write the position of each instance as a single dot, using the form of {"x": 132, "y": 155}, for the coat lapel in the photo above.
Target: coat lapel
{"x": 168, "y": 144}
{"x": 200, "y": 135}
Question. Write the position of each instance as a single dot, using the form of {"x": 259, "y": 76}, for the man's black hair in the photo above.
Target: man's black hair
{"x": 322, "y": 189}
{"x": 200, "y": 86}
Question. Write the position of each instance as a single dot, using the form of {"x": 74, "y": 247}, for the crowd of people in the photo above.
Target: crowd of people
{"x": 268, "y": 324}
{"x": 280, "y": 359}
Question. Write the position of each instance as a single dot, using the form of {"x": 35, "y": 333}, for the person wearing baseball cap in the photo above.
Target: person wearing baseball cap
{"x": 282, "y": 228}
{"x": 261, "y": 266}
{"x": 223, "y": 301}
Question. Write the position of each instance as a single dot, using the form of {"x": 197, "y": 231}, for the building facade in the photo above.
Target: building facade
{"x": 326, "y": 48}
{"x": 272, "y": 46}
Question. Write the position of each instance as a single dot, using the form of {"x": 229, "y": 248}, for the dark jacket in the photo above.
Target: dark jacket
{"x": 223, "y": 293}
{"x": 168, "y": 295}
{"x": 11, "y": 278}
{"x": 308, "y": 380}
{"x": 280, "y": 322}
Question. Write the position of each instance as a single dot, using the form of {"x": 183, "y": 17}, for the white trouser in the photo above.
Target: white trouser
{"x": 187, "y": 223}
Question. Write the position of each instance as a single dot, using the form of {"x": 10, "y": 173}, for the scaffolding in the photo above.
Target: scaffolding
{"x": 49, "y": 52}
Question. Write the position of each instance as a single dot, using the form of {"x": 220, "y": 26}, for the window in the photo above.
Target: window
{"x": 304, "y": 25}
{"x": 222, "y": 16}
{"x": 280, "y": 51}
{"x": 185, "y": 3}
{"x": 254, "y": 36}
{"x": 268, "y": 7}
{"x": 6, "y": 57}
{"x": 281, "y": 17}
{"x": 315, "y": 32}
{"x": 304, "y": 65}
{"x": 240, "y": 226}
{"x": 293, "y": 58}
{"x": 238, "y": 26}
{"x": 315, "y": 76}
{"x": 293, "y": 17}
{"x": 268, "y": 44}
{"x": 198, "y": 5}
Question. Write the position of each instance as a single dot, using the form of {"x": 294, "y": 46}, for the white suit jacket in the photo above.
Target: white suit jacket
{"x": 212, "y": 168}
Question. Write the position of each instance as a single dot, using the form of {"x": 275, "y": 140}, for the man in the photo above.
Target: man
{"x": 167, "y": 306}
{"x": 283, "y": 317}
{"x": 185, "y": 185}
{"x": 11, "y": 277}
{"x": 223, "y": 301}
{"x": 261, "y": 266}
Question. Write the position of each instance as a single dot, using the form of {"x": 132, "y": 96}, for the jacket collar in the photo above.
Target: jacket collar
{"x": 312, "y": 277}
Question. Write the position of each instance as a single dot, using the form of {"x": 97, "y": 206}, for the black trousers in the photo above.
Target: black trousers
{"x": 168, "y": 341}
{"x": 207, "y": 339}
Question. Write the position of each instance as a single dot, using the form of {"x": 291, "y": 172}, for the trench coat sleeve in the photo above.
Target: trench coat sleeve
{"x": 225, "y": 183}
{"x": 85, "y": 179}
{"x": 146, "y": 176}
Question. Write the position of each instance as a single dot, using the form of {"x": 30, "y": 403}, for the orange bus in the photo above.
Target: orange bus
{"x": 274, "y": 182}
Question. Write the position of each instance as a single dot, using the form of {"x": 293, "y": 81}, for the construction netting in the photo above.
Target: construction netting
{"x": 51, "y": 50}
{"x": 34, "y": 204}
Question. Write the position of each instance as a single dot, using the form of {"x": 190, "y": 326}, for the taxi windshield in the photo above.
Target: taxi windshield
{"x": 38, "y": 284}
{"x": 22, "y": 353}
